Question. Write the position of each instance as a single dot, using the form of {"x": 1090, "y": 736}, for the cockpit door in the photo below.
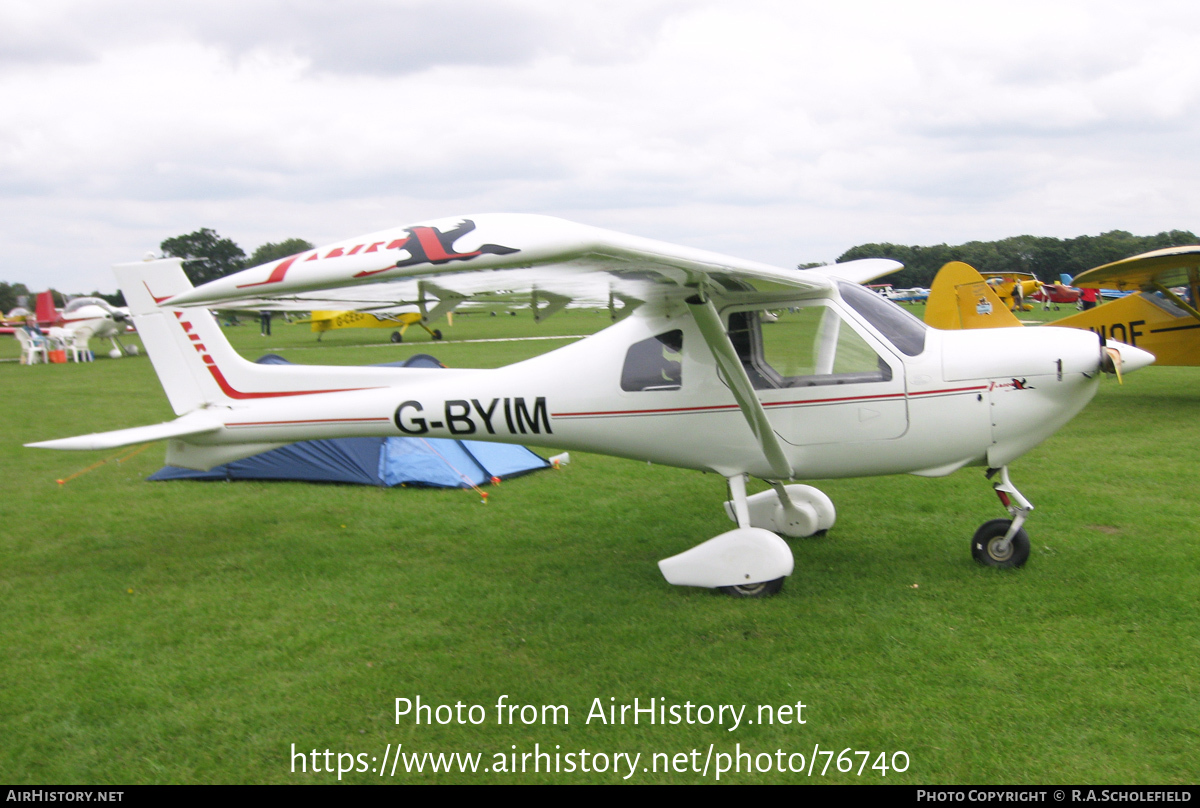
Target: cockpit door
{"x": 821, "y": 377}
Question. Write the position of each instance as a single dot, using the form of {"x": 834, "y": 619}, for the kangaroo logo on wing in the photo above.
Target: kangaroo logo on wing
{"x": 429, "y": 245}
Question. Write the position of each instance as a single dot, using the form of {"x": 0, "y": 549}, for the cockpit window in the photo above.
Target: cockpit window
{"x": 654, "y": 364}
{"x": 803, "y": 346}
{"x": 900, "y": 328}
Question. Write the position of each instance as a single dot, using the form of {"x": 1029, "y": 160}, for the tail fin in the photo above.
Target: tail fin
{"x": 961, "y": 298}
{"x": 196, "y": 364}
{"x": 46, "y": 311}
{"x": 172, "y": 337}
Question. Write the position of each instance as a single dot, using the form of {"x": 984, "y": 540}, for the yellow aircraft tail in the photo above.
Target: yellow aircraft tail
{"x": 961, "y": 298}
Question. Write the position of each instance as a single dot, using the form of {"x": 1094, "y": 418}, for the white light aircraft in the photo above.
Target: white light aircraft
{"x": 723, "y": 365}
{"x": 81, "y": 319}
{"x": 85, "y": 317}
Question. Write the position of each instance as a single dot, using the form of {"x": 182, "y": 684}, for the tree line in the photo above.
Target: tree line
{"x": 1045, "y": 257}
{"x": 207, "y": 256}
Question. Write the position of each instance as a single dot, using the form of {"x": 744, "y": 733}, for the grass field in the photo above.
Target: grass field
{"x": 193, "y": 632}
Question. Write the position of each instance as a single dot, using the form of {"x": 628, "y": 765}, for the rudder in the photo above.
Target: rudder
{"x": 173, "y": 337}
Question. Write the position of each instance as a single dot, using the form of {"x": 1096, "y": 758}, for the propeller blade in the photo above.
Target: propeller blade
{"x": 1111, "y": 362}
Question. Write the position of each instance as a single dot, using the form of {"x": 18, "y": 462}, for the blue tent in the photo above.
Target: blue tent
{"x": 435, "y": 462}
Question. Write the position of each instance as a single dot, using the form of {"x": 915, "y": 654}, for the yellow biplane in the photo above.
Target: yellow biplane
{"x": 1158, "y": 318}
{"x": 1015, "y": 289}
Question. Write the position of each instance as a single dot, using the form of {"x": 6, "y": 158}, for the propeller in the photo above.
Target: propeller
{"x": 1110, "y": 359}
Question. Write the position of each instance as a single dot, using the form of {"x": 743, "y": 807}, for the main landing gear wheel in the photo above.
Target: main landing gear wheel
{"x": 396, "y": 337}
{"x": 436, "y": 333}
{"x": 760, "y": 590}
{"x": 987, "y": 545}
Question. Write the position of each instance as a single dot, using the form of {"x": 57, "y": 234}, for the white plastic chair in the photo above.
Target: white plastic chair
{"x": 75, "y": 343}
{"x": 78, "y": 346}
{"x": 31, "y": 349}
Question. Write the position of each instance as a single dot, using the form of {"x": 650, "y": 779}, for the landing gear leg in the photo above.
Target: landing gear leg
{"x": 746, "y": 562}
{"x": 737, "y": 500}
{"x": 1003, "y": 542}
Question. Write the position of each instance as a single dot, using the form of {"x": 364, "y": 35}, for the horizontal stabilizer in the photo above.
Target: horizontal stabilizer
{"x": 196, "y": 423}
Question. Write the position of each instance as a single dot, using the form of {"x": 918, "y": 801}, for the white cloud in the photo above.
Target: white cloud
{"x": 781, "y": 131}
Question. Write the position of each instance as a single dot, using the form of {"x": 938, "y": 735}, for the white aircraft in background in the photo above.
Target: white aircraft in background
{"x": 841, "y": 384}
{"x": 79, "y": 320}
{"x": 85, "y": 317}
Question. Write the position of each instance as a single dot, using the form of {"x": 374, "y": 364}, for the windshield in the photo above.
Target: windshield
{"x": 80, "y": 302}
{"x": 900, "y": 327}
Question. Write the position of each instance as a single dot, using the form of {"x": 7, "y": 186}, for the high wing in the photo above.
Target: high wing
{"x": 497, "y": 257}
{"x": 1173, "y": 266}
{"x": 454, "y": 260}
{"x": 1010, "y": 276}
{"x": 1151, "y": 315}
{"x": 1156, "y": 271}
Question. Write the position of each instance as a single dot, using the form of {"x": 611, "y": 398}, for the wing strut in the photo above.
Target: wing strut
{"x": 554, "y": 303}
{"x": 447, "y": 301}
{"x": 1176, "y": 299}
{"x": 709, "y": 323}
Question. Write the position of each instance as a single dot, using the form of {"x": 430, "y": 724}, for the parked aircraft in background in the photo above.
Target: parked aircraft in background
{"x": 1014, "y": 289}
{"x": 81, "y": 319}
{"x": 323, "y": 321}
{"x": 87, "y": 317}
{"x": 45, "y": 314}
{"x": 1158, "y": 310}
{"x": 842, "y": 384}
{"x": 915, "y": 294}
{"x": 1059, "y": 293}
{"x": 1156, "y": 319}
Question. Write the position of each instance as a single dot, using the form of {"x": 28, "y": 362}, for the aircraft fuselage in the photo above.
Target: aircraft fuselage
{"x": 961, "y": 400}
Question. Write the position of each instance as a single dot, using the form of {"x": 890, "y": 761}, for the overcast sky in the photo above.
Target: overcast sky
{"x": 783, "y": 132}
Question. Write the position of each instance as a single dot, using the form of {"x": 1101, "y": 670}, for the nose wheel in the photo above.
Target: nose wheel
{"x": 992, "y": 547}
{"x": 1003, "y": 543}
